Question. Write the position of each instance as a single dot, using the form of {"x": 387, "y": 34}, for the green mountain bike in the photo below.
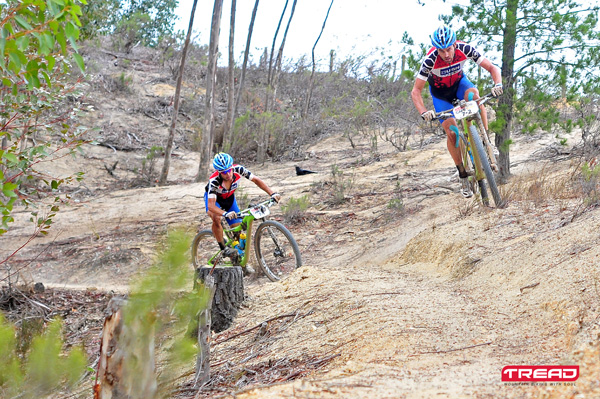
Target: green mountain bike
{"x": 476, "y": 148}
{"x": 276, "y": 250}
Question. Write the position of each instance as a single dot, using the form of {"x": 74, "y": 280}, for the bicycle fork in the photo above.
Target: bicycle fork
{"x": 278, "y": 250}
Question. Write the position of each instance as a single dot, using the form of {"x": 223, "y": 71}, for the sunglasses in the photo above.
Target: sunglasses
{"x": 226, "y": 172}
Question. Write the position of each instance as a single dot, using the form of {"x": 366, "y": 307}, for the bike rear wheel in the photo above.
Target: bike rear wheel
{"x": 485, "y": 164}
{"x": 276, "y": 250}
{"x": 204, "y": 249}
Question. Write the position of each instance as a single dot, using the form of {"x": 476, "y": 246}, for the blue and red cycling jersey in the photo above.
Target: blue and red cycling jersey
{"x": 224, "y": 196}
{"x": 444, "y": 78}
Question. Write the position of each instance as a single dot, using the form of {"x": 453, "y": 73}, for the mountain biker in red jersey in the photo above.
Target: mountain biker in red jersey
{"x": 442, "y": 68}
{"x": 219, "y": 197}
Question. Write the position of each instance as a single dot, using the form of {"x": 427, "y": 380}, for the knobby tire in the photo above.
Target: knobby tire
{"x": 204, "y": 246}
{"x": 276, "y": 250}
{"x": 485, "y": 164}
{"x": 478, "y": 187}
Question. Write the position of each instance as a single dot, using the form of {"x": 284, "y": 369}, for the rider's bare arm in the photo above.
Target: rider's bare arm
{"x": 493, "y": 70}
{"x": 212, "y": 206}
{"x": 261, "y": 184}
{"x": 417, "y": 96}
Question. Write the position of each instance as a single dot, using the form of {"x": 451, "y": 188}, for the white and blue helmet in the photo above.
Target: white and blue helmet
{"x": 443, "y": 37}
{"x": 222, "y": 162}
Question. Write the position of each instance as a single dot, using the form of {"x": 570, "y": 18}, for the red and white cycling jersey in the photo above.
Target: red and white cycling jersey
{"x": 443, "y": 78}
{"x": 215, "y": 188}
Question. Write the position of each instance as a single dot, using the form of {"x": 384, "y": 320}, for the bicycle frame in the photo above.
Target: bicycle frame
{"x": 468, "y": 117}
{"x": 233, "y": 234}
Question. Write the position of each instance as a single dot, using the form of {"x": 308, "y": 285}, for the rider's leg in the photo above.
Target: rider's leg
{"x": 451, "y": 128}
{"x": 452, "y": 142}
{"x": 216, "y": 228}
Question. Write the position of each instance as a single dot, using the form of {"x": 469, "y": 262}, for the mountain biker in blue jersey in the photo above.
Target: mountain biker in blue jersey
{"x": 219, "y": 197}
{"x": 442, "y": 68}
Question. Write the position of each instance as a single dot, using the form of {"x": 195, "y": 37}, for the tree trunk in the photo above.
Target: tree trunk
{"x": 507, "y": 100}
{"x": 244, "y": 65}
{"x": 228, "y": 296}
{"x": 279, "y": 59}
{"x": 312, "y": 74}
{"x": 120, "y": 347}
{"x": 331, "y": 59}
{"x": 269, "y": 74}
{"x": 208, "y": 134}
{"x": 167, "y": 163}
{"x": 109, "y": 374}
{"x": 228, "y": 130}
{"x": 264, "y": 138}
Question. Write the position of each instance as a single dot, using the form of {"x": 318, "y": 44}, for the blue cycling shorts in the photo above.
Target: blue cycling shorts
{"x": 440, "y": 104}
{"x": 233, "y": 206}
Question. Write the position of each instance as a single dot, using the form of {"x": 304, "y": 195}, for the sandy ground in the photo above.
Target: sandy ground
{"x": 429, "y": 301}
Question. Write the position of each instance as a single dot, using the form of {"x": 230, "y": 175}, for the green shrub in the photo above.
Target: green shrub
{"x": 44, "y": 369}
{"x": 147, "y": 174}
{"x": 295, "y": 209}
{"x": 396, "y": 204}
{"x": 341, "y": 186}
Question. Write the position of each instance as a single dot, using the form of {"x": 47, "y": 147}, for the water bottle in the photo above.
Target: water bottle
{"x": 242, "y": 244}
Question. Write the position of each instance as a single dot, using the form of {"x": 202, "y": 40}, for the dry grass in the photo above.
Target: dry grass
{"x": 467, "y": 207}
{"x": 541, "y": 188}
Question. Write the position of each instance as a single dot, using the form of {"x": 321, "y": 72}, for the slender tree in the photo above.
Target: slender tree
{"x": 245, "y": 64}
{"x": 208, "y": 133}
{"x": 279, "y": 58}
{"x": 228, "y": 130}
{"x": 312, "y": 73}
{"x": 550, "y": 35}
{"x": 269, "y": 74}
{"x": 169, "y": 148}
{"x": 264, "y": 130}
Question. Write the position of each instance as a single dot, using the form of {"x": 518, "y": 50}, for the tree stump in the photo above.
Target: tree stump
{"x": 122, "y": 345}
{"x": 228, "y": 297}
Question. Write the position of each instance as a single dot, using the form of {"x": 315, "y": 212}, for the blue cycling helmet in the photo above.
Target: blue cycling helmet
{"x": 222, "y": 161}
{"x": 443, "y": 37}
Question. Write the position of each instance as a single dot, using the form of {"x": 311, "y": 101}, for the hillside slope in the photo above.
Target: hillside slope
{"x": 408, "y": 290}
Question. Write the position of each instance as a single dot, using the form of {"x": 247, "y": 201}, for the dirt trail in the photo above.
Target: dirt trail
{"x": 428, "y": 301}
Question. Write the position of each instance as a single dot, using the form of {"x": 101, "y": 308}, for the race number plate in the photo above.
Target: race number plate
{"x": 260, "y": 212}
{"x": 470, "y": 108}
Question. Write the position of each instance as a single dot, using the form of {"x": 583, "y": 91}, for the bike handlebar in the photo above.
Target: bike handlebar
{"x": 448, "y": 113}
{"x": 245, "y": 212}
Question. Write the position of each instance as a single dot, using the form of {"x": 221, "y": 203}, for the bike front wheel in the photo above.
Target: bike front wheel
{"x": 276, "y": 250}
{"x": 485, "y": 164}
